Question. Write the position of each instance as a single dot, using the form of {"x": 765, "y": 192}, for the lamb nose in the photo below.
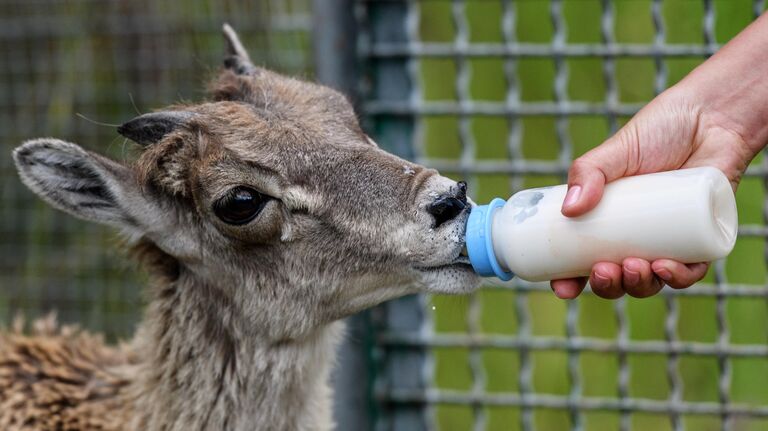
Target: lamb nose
{"x": 446, "y": 207}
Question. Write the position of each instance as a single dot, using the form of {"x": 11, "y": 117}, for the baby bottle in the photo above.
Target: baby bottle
{"x": 688, "y": 215}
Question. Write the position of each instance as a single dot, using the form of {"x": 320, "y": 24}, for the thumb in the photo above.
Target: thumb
{"x": 589, "y": 173}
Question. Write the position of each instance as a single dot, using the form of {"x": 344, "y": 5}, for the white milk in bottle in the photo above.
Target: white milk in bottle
{"x": 688, "y": 215}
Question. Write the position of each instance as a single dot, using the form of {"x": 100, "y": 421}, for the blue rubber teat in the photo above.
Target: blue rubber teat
{"x": 479, "y": 245}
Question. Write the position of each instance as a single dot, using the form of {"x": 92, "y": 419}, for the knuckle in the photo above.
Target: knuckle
{"x": 578, "y": 168}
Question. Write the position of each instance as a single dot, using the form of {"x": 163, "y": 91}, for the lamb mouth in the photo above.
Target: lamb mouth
{"x": 462, "y": 259}
{"x": 459, "y": 261}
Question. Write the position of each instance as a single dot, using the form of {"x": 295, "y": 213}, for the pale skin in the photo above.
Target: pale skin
{"x": 716, "y": 116}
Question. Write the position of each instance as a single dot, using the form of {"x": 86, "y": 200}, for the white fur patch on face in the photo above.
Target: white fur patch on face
{"x": 287, "y": 233}
{"x": 296, "y": 198}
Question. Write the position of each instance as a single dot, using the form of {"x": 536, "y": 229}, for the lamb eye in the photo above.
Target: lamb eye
{"x": 239, "y": 206}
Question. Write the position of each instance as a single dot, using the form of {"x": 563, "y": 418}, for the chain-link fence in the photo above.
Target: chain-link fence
{"x": 502, "y": 93}
{"x": 505, "y": 94}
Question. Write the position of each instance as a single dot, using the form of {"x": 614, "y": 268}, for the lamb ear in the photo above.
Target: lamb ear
{"x": 71, "y": 179}
{"x": 149, "y": 128}
{"x": 237, "y": 59}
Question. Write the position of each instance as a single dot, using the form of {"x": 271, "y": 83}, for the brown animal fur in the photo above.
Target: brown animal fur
{"x": 61, "y": 379}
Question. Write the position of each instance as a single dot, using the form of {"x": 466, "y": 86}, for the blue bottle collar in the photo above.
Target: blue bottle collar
{"x": 479, "y": 244}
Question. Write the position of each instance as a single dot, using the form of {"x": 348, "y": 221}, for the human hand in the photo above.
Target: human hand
{"x": 672, "y": 132}
{"x": 716, "y": 116}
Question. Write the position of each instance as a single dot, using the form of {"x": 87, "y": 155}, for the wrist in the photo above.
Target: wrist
{"x": 726, "y": 106}
{"x": 716, "y": 138}
{"x": 729, "y": 89}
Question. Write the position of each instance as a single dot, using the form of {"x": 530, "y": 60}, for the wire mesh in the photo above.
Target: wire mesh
{"x": 67, "y": 66}
{"x": 505, "y": 94}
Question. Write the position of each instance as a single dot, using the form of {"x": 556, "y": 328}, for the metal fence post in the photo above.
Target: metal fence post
{"x": 393, "y": 80}
{"x": 334, "y": 44}
{"x": 335, "y": 40}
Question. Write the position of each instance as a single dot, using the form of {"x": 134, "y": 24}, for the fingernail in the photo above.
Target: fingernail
{"x": 572, "y": 196}
{"x": 631, "y": 277}
{"x": 664, "y": 274}
{"x": 600, "y": 281}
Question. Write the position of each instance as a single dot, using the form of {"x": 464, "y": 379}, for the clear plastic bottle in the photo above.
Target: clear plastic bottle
{"x": 688, "y": 215}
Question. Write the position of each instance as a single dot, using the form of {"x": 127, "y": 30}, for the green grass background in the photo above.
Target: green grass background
{"x": 746, "y": 318}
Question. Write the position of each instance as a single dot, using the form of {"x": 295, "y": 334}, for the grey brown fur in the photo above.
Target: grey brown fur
{"x": 242, "y": 323}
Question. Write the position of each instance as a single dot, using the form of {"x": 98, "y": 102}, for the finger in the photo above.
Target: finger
{"x": 568, "y": 288}
{"x": 679, "y": 275}
{"x": 638, "y": 278}
{"x": 589, "y": 173}
{"x": 605, "y": 280}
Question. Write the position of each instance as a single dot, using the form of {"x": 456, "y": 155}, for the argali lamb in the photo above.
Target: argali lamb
{"x": 264, "y": 215}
